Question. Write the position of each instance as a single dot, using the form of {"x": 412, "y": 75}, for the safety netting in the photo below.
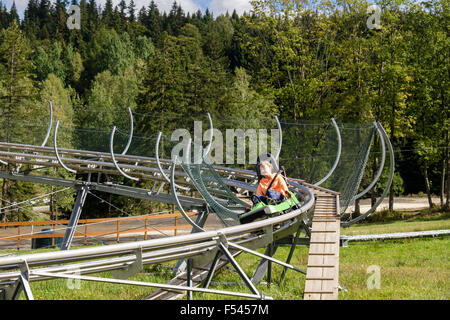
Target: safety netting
{"x": 308, "y": 150}
{"x": 311, "y": 152}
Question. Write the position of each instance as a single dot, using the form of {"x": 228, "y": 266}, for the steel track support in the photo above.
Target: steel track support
{"x": 223, "y": 247}
{"x": 74, "y": 217}
{"x": 22, "y": 283}
{"x": 189, "y": 278}
{"x": 266, "y": 257}
{"x": 212, "y": 269}
{"x": 200, "y": 221}
{"x": 291, "y": 251}
{"x": 263, "y": 266}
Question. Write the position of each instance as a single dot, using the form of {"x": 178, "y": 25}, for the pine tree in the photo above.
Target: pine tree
{"x": 4, "y": 16}
{"x": 107, "y": 14}
{"x": 154, "y": 23}
{"x": 132, "y": 11}
{"x": 19, "y": 92}
{"x": 13, "y": 15}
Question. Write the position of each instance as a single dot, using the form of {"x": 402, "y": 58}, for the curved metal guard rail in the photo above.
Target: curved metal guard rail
{"x": 338, "y": 156}
{"x": 380, "y": 169}
{"x": 55, "y": 148}
{"x": 158, "y": 163}
{"x": 130, "y": 137}
{"x": 50, "y": 123}
{"x": 280, "y": 139}
{"x": 177, "y": 201}
{"x": 388, "y": 185}
{"x": 113, "y": 158}
{"x": 211, "y": 128}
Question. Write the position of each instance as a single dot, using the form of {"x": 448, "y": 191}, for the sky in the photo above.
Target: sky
{"x": 216, "y": 6}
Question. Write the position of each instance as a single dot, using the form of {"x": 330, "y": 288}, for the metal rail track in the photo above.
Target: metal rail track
{"x": 201, "y": 247}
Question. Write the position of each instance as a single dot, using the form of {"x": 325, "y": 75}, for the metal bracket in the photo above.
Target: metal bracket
{"x": 131, "y": 269}
{"x": 13, "y": 292}
{"x": 221, "y": 239}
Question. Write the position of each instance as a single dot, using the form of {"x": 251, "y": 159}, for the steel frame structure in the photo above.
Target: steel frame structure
{"x": 196, "y": 248}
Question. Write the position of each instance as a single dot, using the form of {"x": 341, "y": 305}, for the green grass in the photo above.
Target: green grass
{"x": 410, "y": 222}
{"x": 409, "y": 269}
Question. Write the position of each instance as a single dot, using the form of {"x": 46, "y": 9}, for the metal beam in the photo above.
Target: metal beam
{"x": 212, "y": 269}
{"x": 149, "y": 284}
{"x": 74, "y": 217}
{"x": 266, "y": 257}
{"x": 132, "y": 192}
{"x": 238, "y": 268}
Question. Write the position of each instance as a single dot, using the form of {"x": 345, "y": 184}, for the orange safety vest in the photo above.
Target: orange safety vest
{"x": 279, "y": 184}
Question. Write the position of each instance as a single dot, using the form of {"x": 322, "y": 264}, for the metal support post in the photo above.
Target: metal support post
{"x": 291, "y": 251}
{"x": 223, "y": 244}
{"x": 189, "y": 278}
{"x": 264, "y": 264}
{"x": 200, "y": 221}
{"x": 212, "y": 269}
{"x": 74, "y": 217}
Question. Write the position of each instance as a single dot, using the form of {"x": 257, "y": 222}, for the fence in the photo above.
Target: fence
{"x": 85, "y": 223}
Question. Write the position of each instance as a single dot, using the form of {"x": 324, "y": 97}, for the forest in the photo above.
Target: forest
{"x": 300, "y": 60}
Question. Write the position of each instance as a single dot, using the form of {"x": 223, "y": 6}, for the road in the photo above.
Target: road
{"x": 400, "y": 203}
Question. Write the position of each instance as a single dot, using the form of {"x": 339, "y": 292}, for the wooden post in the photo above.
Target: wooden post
{"x": 18, "y": 237}
{"x": 176, "y": 225}
{"x": 85, "y": 233}
{"x": 118, "y": 231}
{"x": 145, "y": 235}
{"x": 53, "y": 235}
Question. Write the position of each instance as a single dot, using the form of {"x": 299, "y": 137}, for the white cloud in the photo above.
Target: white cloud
{"x": 222, "y": 6}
